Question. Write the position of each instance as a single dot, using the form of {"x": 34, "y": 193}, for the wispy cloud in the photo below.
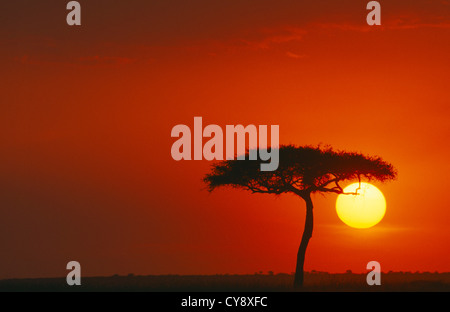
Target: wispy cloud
{"x": 265, "y": 38}
{"x": 399, "y": 23}
{"x": 380, "y": 228}
{"x": 295, "y": 55}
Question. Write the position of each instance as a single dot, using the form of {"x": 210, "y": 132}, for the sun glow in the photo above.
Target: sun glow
{"x": 363, "y": 210}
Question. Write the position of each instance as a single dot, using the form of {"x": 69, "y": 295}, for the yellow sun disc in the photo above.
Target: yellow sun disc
{"x": 363, "y": 210}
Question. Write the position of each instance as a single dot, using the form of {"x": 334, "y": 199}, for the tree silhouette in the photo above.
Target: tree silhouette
{"x": 303, "y": 171}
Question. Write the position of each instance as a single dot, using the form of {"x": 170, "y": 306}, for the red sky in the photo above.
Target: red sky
{"x": 86, "y": 115}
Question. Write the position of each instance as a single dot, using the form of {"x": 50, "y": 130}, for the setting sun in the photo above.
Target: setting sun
{"x": 363, "y": 210}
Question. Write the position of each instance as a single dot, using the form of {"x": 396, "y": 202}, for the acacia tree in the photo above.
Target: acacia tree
{"x": 302, "y": 171}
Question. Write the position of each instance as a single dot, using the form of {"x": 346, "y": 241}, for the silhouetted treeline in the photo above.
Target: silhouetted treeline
{"x": 317, "y": 281}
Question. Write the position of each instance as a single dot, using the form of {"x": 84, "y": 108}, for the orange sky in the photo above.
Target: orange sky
{"x": 86, "y": 115}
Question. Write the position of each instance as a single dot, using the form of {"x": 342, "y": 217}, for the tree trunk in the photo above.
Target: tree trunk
{"x": 307, "y": 233}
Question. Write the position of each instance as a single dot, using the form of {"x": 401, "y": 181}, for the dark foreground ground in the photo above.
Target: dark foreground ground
{"x": 314, "y": 281}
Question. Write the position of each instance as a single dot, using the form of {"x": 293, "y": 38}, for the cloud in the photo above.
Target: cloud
{"x": 402, "y": 24}
{"x": 265, "y": 38}
{"x": 399, "y": 23}
{"x": 377, "y": 229}
{"x": 295, "y": 55}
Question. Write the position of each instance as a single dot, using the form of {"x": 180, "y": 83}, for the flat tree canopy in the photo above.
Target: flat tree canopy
{"x": 301, "y": 169}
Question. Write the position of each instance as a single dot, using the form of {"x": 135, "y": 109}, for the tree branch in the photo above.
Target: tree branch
{"x": 328, "y": 182}
{"x": 337, "y": 190}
